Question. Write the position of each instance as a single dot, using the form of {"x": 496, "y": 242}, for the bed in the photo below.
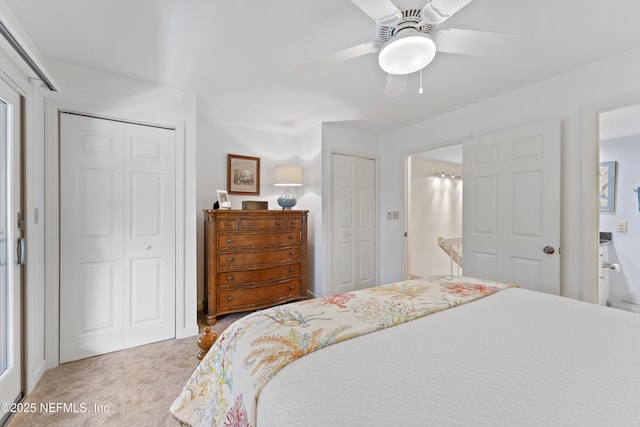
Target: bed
{"x": 452, "y": 351}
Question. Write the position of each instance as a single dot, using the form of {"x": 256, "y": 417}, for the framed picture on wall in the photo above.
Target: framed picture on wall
{"x": 243, "y": 175}
{"x": 607, "y": 186}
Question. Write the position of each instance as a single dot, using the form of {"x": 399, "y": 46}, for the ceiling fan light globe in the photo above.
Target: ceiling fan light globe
{"x": 406, "y": 55}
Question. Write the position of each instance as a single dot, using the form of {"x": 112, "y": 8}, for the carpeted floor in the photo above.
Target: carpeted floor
{"x": 132, "y": 387}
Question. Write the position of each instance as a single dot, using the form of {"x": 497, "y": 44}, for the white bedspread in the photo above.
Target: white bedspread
{"x": 224, "y": 389}
{"x": 515, "y": 358}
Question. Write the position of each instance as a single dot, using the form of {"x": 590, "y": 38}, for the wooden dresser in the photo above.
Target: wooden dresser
{"x": 254, "y": 259}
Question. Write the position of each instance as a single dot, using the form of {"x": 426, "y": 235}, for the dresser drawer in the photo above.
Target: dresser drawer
{"x": 293, "y": 224}
{"x": 258, "y": 295}
{"x": 261, "y": 275}
{"x": 238, "y": 259}
{"x": 274, "y": 223}
{"x": 226, "y": 224}
{"x": 228, "y": 241}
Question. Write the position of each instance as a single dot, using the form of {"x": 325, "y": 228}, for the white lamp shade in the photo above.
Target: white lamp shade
{"x": 288, "y": 174}
{"x": 407, "y": 54}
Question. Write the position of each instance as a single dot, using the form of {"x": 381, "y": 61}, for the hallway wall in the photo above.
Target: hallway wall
{"x": 435, "y": 211}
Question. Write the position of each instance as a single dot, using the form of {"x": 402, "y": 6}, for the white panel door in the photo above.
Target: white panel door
{"x": 511, "y": 206}
{"x": 116, "y": 283}
{"x": 344, "y": 223}
{"x": 91, "y": 237}
{"x": 149, "y": 241}
{"x": 354, "y": 223}
{"x": 10, "y": 233}
{"x": 365, "y": 223}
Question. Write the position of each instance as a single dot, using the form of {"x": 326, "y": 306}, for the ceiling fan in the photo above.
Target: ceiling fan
{"x": 409, "y": 39}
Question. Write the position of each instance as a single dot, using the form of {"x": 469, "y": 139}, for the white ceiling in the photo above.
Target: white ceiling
{"x": 450, "y": 154}
{"x": 239, "y": 56}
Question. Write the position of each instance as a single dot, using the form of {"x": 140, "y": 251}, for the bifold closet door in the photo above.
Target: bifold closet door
{"x": 353, "y": 223}
{"x": 117, "y": 235}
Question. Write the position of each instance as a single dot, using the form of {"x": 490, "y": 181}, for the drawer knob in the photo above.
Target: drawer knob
{"x": 291, "y": 269}
{"x": 293, "y": 223}
{"x": 292, "y": 237}
{"x": 229, "y": 298}
{"x": 229, "y": 240}
{"x": 229, "y": 259}
{"x": 292, "y": 253}
{"x": 250, "y": 224}
{"x": 277, "y": 222}
{"x": 226, "y": 224}
{"x": 292, "y": 287}
{"x": 229, "y": 278}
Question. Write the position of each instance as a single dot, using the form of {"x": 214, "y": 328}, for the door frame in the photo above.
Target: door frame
{"x": 15, "y": 154}
{"x": 590, "y": 205}
{"x": 327, "y": 214}
{"x": 407, "y": 192}
{"x": 52, "y": 215}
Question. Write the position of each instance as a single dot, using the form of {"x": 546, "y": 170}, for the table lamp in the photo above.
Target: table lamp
{"x": 287, "y": 175}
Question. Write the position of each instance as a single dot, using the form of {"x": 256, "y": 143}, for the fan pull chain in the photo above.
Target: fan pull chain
{"x": 420, "y": 91}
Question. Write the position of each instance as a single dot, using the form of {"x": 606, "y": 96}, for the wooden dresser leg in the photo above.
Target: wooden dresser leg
{"x": 212, "y": 318}
{"x": 205, "y": 341}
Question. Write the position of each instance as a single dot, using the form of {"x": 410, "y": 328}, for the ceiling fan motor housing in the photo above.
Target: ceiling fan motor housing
{"x": 412, "y": 19}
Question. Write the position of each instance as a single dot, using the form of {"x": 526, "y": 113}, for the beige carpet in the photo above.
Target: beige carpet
{"x": 132, "y": 387}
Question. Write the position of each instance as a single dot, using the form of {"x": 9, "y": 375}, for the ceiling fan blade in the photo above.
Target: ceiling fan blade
{"x": 477, "y": 43}
{"x": 381, "y": 11}
{"x": 396, "y": 85}
{"x": 340, "y": 56}
{"x": 438, "y": 11}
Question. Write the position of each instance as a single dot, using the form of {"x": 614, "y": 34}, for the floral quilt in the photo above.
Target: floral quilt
{"x": 224, "y": 389}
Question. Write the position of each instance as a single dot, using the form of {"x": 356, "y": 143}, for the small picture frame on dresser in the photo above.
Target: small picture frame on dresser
{"x": 223, "y": 199}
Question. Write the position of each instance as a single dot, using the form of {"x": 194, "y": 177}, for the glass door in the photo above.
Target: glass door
{"x": 11, "y": 247}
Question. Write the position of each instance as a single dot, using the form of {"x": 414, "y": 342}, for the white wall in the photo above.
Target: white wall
{"x": 625, "y": 247}
{"x": 217, "y": 139}
{"x": 435, "y": 211}
{"x": 562, "y": 97}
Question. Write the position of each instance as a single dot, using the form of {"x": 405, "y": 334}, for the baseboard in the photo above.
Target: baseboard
{"x": 625, "y": 305}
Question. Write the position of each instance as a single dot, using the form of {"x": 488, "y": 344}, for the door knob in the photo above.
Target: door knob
{"x": 548, "y": 250}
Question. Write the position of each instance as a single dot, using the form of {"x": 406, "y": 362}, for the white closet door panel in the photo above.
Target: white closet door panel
{"x": 345, "y": 268}
{"x": 98, "y": 297}
{"x": 98, "y": 202}
{"x": 344, "y": 231}
{"x": 91, "y": 224}
{"x": 364, "y": 264}
{"x": 146, "y": 291}
{"x": 146, "y": 205}
{"x": 149, "y": 244}
{"x": 366, "y": 221}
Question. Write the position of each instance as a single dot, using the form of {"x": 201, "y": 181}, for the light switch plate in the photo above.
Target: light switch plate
{"x": 621, "y": 226}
